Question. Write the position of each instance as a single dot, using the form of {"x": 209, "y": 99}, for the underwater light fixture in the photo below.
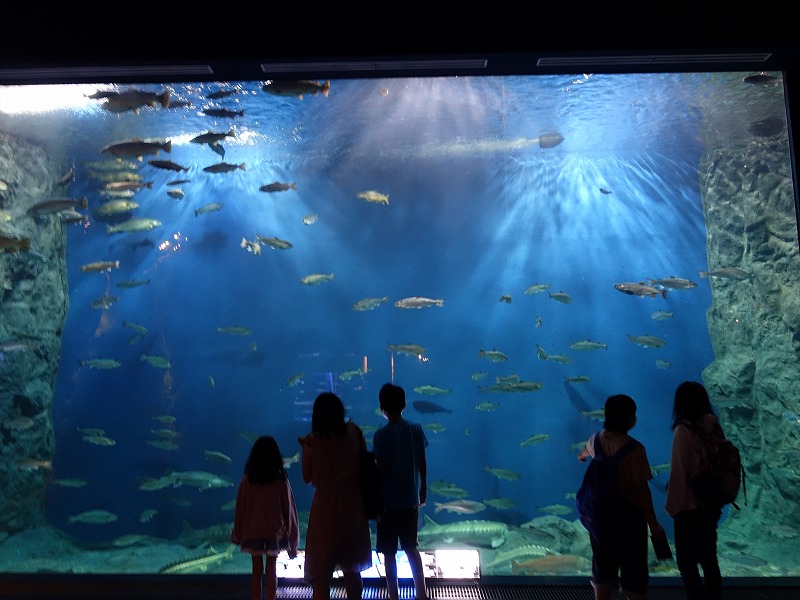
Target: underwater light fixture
{"x": 459, "y": 64}
{"x": 652, "y": 59}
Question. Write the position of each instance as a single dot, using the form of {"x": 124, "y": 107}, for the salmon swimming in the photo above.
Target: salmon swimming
{"x": 278, "y": 186}
{"x": 212, "y": 137}
{"x": 167, "y": 165}
{"x": 222, "y": 112}
{"x": 54, "y": 205}
{"x": 674, "y": 283}
{"x": 418, "y": 302}
{"x": 223, "y": 167}
{"x": 136, "y": 148}
{"x": 100, "y": 265}
{"x": 297, "y": 88}
{"x": 640, "y": 289}
{"x": 133, "y": 99}
{"x": 13, "y": 244}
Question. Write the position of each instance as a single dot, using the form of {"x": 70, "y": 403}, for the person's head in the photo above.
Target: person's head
{"x": 265, "y": 462}
{"x": 327, "y": 416}
{"x": 691, "y": 402}
{"x": 392, "y": 399}
{"x": 620, "y": 413}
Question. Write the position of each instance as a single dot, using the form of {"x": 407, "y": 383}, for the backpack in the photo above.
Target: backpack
{"x": 597, "y": 499}
{"x": 721, "y": 473}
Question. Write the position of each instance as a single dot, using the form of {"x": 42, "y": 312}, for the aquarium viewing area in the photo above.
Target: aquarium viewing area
{"x": 190, "y": 252}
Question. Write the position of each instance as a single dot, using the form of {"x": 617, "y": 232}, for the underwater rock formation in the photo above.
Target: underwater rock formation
{"x": 33, "y": 305}
{"x": 754, "y": 324}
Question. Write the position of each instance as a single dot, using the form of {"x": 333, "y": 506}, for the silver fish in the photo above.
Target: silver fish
{"x": 136, "y": 148}
{"x": 418, "y": 302}
{"x": 139, "y": 224}
{"x": 640, "y": 289}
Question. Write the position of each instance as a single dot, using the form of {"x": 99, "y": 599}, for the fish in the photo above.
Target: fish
{"x": 274, "y": 242}
{"x": 294, "y": 379}
{"x": 95, "y": 516}
{"x": 34, "y": 464}
{"x": 316, "y": 278}
{"x": 202, "y": 480}
{"x": 155, "y": 360}
{"x": 426, "y": 407}
{"x": 555, "y": 564}
{"x": 176, "y": 193}
{"x": 726, "y": 273}
{"x": 162, "y": 445}
{"x": 434, "y": 427}
{"x": 200, "y": 563}
{"x": 133, "y": 225}
{"x": 70, "y": 215}
{"x": 277, "y": 186}
{"x": 165, "y": 433}
{"x": 374, "y": 196}
{"x": 132, "y": 283}
{"x": 235, "y": 330}
{"x": 597, "y": 414}
{"x": 584, "y": 345}
{"x": 288, "y": 461}
{"x": 147, "y": 514}
{"x": 640, "y": 289}
{"x": 432, "y": 390}
{"x": 490, "y": 534}
{"x": 136, "y": 327}
{"x": 127, "y": 185}
{"x": 526, "y": 550}
{"x": 558, "y": 510}
{"x": 505, "y": 298}
{"x": 165, "y": 418}
{"x": 217, "y": 457}
{"x": 648, "y": 341}
{"x": 661, "y": 315}
{"x": 111, "y": 165}
{"x": 369, "y": 303}
{"x": 254, "y": 246}
{"x": 115, "y": 207}
{"x": 492, "y": 355}
{"x": 178, "y": 181}
{"x": 100, "y": 363}
{"x": 99, "y": 440}
{"x": 68, "y": 177}
{"x": 447, "y": 489}
{"x": 535, "y": 440}
{"x": 118, "y": 194}
{"x": 212, "y": 137}
{"x": 20, "y": 423}
{"x": 501, "y": 473}
{"x": 133, "y": 99}
{"x": 132, "y": 539}
{"x": 576, "y": 379}
{"x": 605, "y": 191}
{"x": 207, "y": 208}
{"x": 57, "y": 204}
{"x": 222, "y": 94}
{"x": 222, "y": 112}
{"x": 500, "y": 503}
{"x": 14, "y": 244}
{"x": 223, "y": 167}
{"x": 561, "y": 297}
{"x": 513, "y": 387}
{"x": 309, "y": 219}
{"x": 663, "y": 364}
{"x": 418, "y": 302}
{"x": 478, "y": 376}
{"x": 536, "y": 288}
{"x": 136, "y": 147}
{"x": 462, "y": 507}
{"x": 348, "y": 375}
{"x": 487, "y": 406}
{"x": 674, "y": 283}
{"x": 104, "y": 301}
{"x": 100, "y": 265}
{"x": 109, "y": 176}
{"x": 70, "y": 482}
{"x": 550, "y": 140}
{"x": 296, "y": 87}
{"x": 759, "y": 79}
{"x": 409, "y": 349}
{"x": 167, "y": 165}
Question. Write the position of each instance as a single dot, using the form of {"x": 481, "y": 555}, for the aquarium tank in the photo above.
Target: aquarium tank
{"x": 186, "y": 265}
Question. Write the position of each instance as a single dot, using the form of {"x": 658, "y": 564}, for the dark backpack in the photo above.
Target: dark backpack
{"x": 597, "y": 499}
{"x": 721, "y": 473}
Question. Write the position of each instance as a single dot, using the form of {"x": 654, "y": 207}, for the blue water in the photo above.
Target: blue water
{"x": 472, "y": 216}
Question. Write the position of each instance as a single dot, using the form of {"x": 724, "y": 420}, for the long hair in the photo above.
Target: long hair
{"x": 327, "y": 418}
{"x": 265, "y": 462}
{"x": 691, "y": 403}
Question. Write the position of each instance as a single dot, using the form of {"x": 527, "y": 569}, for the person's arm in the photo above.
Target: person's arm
{"x": 308, "y": 450}
{"x": 423, "y": 476}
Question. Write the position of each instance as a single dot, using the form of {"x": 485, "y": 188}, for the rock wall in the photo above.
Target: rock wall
{"x": 754, "y": 323}
{"x": 33, "y": 304}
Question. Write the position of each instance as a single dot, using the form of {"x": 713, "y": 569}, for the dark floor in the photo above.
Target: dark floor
{"x": 237, "y": 588}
